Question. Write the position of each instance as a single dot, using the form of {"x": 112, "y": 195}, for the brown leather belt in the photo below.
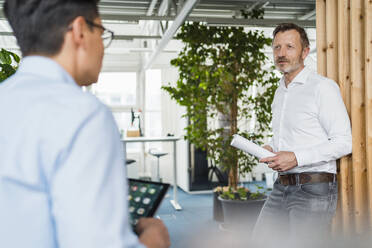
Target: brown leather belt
{"x": 301, "y": 178}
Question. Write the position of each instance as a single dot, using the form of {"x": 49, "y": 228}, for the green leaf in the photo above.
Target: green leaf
{"x": 8, "y": 63}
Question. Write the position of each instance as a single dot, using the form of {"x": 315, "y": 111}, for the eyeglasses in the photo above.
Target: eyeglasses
{"x": 107, "y": 35}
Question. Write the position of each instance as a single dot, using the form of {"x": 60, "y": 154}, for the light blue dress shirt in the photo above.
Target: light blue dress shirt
{"x": 62, "y": 177}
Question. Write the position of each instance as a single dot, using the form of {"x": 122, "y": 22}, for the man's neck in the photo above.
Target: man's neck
{"x": 289, "y": 76}
{"x": 66, "y": 63}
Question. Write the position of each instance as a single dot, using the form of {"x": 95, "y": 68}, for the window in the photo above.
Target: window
{"x": 117, "y": 89}
{"x": 153, "y": 103}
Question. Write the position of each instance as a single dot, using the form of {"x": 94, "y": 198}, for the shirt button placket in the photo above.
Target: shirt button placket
{"x": 282, "y": 118}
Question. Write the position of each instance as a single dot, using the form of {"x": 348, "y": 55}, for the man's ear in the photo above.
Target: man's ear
{"x": 79, "y": 27}
{"x": 305, "y": 52}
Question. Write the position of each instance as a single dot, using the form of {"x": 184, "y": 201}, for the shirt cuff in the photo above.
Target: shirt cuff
{"x": 303, "y": 157}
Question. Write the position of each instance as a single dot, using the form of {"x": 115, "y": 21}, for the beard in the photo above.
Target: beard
{"x": 291, "y": 66}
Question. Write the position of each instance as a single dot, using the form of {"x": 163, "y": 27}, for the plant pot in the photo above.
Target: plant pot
{"x": 241, "y": 215}
{"x": 217, "y": 208}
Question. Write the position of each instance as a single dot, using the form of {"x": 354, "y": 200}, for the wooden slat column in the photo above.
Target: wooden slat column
{"x": 368, "y": 84}
{"x": 332, "y": 70}
{"x": 345, "y": 174}
{"x": 358, "y": 114}
{"x": 331, "y": 38}
{"x": 321, "y": 41}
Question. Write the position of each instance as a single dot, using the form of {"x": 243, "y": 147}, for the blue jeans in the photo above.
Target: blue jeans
{"x": 298, "y": 211}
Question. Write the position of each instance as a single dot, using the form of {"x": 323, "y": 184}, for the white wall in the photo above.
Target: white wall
{"x": 174, "y": 123}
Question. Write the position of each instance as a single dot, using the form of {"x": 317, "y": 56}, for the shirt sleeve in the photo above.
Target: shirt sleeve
{"x": 335, "y": 121}
{"x": 270, "y": 143}
{"x": 89, "y": 189}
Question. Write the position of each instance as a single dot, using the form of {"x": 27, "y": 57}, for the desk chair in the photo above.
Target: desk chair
{"x": 129, "y": 161}
{"x": 158, "y": 154}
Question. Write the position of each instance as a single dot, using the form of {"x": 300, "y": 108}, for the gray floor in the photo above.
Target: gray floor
{"x": 194, "y": 226}
{"x": 195, "y": 216}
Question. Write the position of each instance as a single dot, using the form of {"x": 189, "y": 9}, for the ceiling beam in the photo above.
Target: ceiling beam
{"x": 6, "y": 34}
{"x": 254, "y": 5}
{"x": 180, "y": 5}
{"x": 163, "y": 9}
{"x": 178, "y": 21}
{"x": 116, "y": 37}
{"x": 308, "y": 15}
{"x": 258, "y": 22}
{"x": 132, "y": 37}
{"x": 214, "y": 20}
{"x": 150, "y": 11}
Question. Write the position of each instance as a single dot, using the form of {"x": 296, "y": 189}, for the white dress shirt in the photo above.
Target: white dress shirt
{"x": 310, "y": 119}
{"x": 62, "y": 174}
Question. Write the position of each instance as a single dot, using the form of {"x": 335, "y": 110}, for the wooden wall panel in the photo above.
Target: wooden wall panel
{"x": 331, "y": 35}
{"x": 358, "y": 114}
{"x": 321, "y": 41}
{"x": 345, "y": 173}
{"x": 331, "y": 39}
{"x": 368, "y": 84}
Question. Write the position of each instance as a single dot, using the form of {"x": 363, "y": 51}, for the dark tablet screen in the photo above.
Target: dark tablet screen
{"x": 144, "y": 198}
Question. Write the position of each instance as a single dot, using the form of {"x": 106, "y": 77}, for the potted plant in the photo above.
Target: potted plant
{"x": 224, "y": 75}
{"x": 241, "y": 207}
{"x": 8, "y": 63}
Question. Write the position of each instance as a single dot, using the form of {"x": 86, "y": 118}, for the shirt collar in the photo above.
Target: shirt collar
{"x": 301, "y": 77}
{"x": 45, "y": 67}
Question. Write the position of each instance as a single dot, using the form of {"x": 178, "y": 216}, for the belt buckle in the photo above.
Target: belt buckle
{"x": 283, "y": 179}
{"x": 306, "y": 178}
{"x": 292, "y": 179}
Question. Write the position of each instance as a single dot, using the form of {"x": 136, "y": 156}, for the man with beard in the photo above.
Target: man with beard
{"x": 311, "y": 130}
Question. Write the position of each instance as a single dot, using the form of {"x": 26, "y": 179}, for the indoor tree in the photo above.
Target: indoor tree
{"x": 219, "y": 69}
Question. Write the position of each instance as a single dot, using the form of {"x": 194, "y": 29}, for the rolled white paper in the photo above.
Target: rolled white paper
{"x": 250, "y": 147}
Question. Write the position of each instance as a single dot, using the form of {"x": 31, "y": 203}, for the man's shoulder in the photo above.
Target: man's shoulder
{"x": 69, "y": 110}
{"x": 48, "y": 97}
{"x": 322, "y": 83}
{"x": 73, "y": 101}
{"x": 317, "y": 77}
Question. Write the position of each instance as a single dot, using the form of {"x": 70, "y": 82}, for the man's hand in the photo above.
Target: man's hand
{"x": 153, "y": 233}
{"x": 283, "y": 161}
{"x": 269, "y": 148}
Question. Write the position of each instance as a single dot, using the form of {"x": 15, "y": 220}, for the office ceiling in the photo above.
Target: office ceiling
{"x": 144, "y": 28}
{"x": 206, "y": 9}
{"x": 156, "y": 19}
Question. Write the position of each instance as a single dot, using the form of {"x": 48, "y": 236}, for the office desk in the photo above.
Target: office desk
{"x": 173, "y": 139}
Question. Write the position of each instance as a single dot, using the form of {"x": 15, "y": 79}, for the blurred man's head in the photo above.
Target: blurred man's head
{"x": 290, "y": 47}
{"x": 61, "y": 29}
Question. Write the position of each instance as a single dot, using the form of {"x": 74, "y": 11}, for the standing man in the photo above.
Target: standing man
{"x": 62, "y": 177}
{"x": 311, "y": 130}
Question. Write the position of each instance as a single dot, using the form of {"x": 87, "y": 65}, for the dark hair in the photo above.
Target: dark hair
{"x": 291, "y": 26}
{"x": 40, "y": 25}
